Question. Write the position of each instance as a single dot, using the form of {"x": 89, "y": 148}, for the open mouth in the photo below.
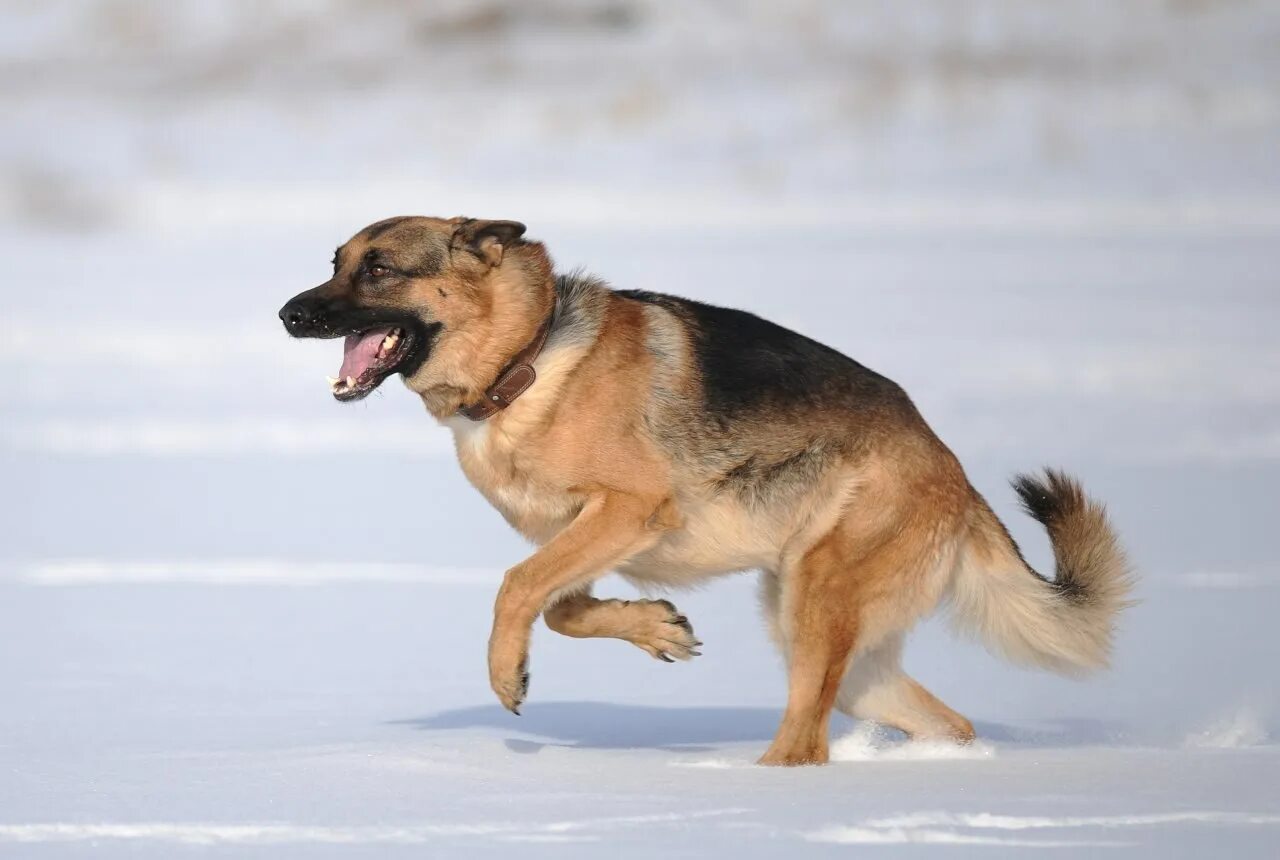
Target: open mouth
{"x": 368, "y": 358}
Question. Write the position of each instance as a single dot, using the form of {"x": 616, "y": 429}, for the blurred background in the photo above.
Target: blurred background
{"x": 1057, "y": 225}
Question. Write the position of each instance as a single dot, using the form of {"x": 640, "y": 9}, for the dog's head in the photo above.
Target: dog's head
{"x": 402, "y": 287}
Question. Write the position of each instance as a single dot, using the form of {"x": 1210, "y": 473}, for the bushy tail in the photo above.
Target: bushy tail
{"x": 1065, "y": 624}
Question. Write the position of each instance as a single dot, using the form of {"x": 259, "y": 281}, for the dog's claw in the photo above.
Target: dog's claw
{"x": 662, "y": 631}
{"x": 511, "y": 694}
{"x": 523, "y": 691}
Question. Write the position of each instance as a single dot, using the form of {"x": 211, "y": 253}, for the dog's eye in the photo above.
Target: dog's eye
{"x": 378, "y": 271}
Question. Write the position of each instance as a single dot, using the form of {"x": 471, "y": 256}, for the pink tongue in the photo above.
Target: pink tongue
{"x": 360, "y": 351}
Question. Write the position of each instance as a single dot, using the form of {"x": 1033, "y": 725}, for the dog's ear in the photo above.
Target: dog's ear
{"x": 486, "y": 239}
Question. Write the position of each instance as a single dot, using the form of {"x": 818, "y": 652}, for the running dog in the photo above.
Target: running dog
{"x": 672, "y": 441}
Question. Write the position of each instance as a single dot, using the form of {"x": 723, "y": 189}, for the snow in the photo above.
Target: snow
{"x": 976, "y": 829}
{"x": 1243, "y": 728}
{"x": 867, "y": 742}
{"x": 1055, "y": 225}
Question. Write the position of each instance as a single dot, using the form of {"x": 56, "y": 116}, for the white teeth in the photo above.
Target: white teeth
{"x": 338, "y": 386}
{"x": 389, "y": 343}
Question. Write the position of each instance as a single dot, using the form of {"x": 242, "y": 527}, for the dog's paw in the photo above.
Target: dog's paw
{"x": 662, "y": 632}
{"x": 511, "y": 686}
{"x": 793, "y": 758}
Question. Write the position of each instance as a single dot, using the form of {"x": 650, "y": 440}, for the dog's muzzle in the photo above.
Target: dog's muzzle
{"x": 308, "y": 314}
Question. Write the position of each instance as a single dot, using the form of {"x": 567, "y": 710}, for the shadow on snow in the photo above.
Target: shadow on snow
{"x": 604, "y": 725}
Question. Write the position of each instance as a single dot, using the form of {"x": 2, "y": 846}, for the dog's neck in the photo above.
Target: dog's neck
{"x": 521, "y": 299}
{"x": 513, "y": 381}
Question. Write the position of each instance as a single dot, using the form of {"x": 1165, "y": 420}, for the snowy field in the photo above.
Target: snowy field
{"x": 238, "y": 619}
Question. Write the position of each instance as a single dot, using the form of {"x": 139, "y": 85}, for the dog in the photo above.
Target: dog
{"x": 672, "y": 441}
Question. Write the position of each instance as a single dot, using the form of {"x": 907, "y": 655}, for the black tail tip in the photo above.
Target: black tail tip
{"x": 1049, "y": 497}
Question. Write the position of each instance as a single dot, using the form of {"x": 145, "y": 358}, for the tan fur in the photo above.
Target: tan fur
{"x": 605, "y": 465}
{"x": 654, "y": 626}
{"x": 877, "y": 689}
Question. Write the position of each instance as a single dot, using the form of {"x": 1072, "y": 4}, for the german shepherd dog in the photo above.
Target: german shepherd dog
{"x": 672, "y": 441}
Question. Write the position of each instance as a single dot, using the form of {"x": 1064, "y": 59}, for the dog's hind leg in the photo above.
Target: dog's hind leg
{"x": 851, "y": 593}
{"x": 877, "y": 689}
{"x": 820, "y": 632}
{"x": 653, "y": 626}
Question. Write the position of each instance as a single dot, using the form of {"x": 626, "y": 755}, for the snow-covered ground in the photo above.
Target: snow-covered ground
{"x": 237, "y": 619}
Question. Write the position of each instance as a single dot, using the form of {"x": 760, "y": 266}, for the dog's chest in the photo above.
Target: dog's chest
{"x": 511, "y": 480}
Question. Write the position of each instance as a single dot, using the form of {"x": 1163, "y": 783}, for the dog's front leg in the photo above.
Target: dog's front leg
{"x": 611, "y": 527}
{"x": 654, "y": 626}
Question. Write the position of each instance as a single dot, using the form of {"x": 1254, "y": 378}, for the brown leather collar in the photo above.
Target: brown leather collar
{"x": 513, "y": 381}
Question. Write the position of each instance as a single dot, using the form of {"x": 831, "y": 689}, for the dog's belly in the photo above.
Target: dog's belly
{"x": 715, "y": 537}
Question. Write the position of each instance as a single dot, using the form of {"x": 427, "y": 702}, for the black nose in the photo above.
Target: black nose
{"x": 295, "y": 316}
